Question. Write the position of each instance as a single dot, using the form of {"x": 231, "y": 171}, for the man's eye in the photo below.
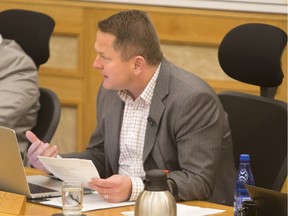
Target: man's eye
{"x": 106, "y": 59}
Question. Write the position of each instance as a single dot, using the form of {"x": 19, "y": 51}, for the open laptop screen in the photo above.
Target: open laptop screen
{"x": 268, "y": 202}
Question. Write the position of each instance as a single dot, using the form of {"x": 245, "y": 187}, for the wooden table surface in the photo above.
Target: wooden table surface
{"x": 42, "y": 210}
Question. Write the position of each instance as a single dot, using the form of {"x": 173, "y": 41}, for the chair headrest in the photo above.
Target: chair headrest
{"x": 30, "y": 29}
{"x": 252, "y": 52}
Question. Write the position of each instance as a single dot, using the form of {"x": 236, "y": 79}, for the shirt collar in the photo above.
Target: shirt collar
{"x": 147, "y": 94}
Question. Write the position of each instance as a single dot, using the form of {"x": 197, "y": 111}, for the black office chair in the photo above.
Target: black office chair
{"x": 259, "y": 128}
{"x": 32, "y": 31}
{"x": 48, "y": 115}
{"x": 251, "y": 53}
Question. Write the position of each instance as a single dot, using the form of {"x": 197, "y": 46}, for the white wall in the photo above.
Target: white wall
{"x": 269, "y": 6}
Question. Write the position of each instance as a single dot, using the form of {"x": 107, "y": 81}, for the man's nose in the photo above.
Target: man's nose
{"x": 97, "y": 64}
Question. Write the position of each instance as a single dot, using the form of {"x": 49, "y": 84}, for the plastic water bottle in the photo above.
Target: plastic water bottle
{"x": 244, "y": 176}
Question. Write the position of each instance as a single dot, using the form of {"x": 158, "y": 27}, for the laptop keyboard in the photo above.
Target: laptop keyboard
{"x": 39, "y": 189}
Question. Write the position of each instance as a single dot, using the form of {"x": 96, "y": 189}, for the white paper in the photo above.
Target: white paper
{"x": 70, "y": 168}
{"x": 185, "y": 210}
{"x": 90, "y": 202}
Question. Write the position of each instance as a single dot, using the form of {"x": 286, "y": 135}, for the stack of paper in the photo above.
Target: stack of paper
{"x": 68, "y": 169}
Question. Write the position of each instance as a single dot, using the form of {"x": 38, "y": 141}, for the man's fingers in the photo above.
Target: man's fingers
{"x": 31, "y": 136}
{"x": 101, "y": 182}
{"x": 33, "y": 147}
{"x": 50, "y": 151}
{"x": 37, "y": 148}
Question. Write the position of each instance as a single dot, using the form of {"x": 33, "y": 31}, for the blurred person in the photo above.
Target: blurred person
{"x": 19, "y": 92}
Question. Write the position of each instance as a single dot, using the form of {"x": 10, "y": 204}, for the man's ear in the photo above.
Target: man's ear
{"x": 139, "y": 62}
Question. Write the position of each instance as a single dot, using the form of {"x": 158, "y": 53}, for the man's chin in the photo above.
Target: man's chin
{"x": 108, "y": 87}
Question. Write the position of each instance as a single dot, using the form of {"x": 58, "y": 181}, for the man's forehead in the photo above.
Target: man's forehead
{"x": 106, "y": 39}
{"x": 101, "y": 34}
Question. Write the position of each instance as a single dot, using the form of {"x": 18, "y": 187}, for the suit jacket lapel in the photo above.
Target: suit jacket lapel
{"x": 157, "y": 107}
{"x": 112, "y": 133}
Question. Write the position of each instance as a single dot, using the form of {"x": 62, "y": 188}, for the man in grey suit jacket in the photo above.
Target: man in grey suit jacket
{"x": 19, "y": 91}
{"x": 151, "y": 114}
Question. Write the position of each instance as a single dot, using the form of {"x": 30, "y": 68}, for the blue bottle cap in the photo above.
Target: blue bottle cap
{"x": 244, "y": 157}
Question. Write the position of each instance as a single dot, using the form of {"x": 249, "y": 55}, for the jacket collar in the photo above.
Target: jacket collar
{"x": 157, "y": 107}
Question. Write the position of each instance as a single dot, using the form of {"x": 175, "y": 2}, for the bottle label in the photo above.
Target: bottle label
{"x": 243, "y": 175}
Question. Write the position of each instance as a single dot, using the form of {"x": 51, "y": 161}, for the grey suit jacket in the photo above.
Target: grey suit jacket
{"x": 187, "y": 134}
{"x": 19, "y": 91}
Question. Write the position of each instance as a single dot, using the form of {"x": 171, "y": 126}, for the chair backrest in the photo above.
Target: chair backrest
{"x": 251, "y": 53}
{"x": 48, "y": 115}
{"x": 30, "y": 29}
{"x": 259, "y": 128}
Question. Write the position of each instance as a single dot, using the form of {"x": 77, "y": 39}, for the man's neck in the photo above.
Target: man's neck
{"x": 142, "y": 81}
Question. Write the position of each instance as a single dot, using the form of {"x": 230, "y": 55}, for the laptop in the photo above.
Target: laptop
{"x": 268, "y": 202}
{"x": 13, "y": 178}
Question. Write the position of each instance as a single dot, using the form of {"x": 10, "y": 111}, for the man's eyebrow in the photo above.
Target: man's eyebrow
{"x": 99, "y": 53}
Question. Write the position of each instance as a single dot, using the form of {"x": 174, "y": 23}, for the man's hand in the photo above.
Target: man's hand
{"x": 36, "y": 148}
{"x": 116, "y": 188}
